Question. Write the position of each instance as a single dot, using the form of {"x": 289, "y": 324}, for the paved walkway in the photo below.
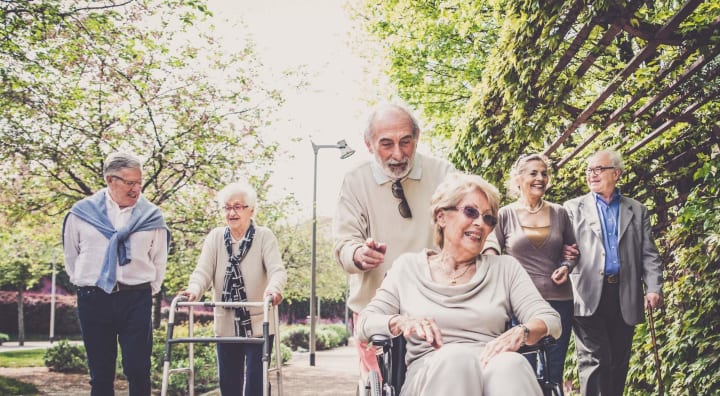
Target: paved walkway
{"x": 13, "y": 345}
{"x": 335, "y": 372}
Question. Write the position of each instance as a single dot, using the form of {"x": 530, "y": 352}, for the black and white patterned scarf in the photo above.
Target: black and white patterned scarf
{"x": 234, "y": 287}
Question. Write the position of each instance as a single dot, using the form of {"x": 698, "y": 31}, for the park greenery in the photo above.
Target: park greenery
{"x": 82, "y": 79}
{"x": 65, "y": 357}
{"x": 491, "y": 80}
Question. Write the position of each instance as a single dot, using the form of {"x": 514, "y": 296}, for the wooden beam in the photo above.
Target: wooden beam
{"x": 630, "y": 68}
{"x": 667, "y": 124}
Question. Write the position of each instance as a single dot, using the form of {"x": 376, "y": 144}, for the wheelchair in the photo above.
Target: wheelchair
{"x": 391, "y": 360}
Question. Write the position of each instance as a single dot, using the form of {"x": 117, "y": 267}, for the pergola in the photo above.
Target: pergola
{"x": 624, "y": 77}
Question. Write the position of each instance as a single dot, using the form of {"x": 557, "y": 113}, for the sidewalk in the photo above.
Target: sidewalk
{"x": 13, "y": 345}
{"x": 336, "y": 372}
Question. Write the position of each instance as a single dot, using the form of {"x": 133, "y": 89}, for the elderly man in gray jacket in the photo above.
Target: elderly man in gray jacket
{"x": 617, "y": 258}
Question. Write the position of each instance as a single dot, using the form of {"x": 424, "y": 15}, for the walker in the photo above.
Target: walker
{"x": 180, "y": 301}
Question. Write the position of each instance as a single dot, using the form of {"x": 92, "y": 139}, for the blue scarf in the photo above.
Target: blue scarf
{"x": 145, "y": 216}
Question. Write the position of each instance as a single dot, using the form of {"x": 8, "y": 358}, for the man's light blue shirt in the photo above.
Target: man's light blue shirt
{"x": 609, "y": 215}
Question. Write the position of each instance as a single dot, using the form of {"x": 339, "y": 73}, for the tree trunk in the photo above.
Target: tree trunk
{"x": 21, "y": 318}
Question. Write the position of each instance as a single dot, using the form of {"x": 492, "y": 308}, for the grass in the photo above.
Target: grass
{"x": 10, "y": 386}
{"x": 23, "y": 358}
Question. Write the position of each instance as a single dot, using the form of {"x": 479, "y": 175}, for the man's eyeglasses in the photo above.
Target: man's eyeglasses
{"x": 236, "y": 208}
{"x": 473, "y": 213}
{"x": 597, "y": 170}
{"x": 128, "y": 183}
{"x": 403, "y": 206}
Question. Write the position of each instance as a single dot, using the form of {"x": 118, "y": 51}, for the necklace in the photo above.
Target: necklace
{"x": 533, "y": 211}
{"x": 451, "y": 274}
{"x": 454, "y": 278}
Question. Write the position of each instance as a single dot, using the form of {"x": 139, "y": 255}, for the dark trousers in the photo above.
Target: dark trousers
{"x": 232, "y": 360}
{"x": 106, "y": 319}
{"x": 556, "y": 353}
{"x": 603, "y": 342}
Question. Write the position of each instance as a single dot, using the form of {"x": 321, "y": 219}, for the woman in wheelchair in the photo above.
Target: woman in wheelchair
{"x": 452, "y": 304}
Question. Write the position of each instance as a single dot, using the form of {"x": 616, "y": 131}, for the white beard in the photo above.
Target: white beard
{"x": 388, "y": 171}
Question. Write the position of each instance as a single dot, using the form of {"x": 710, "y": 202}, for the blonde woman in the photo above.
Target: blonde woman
{"x": 534, "y": 231}
{"x": 452, "y": 304}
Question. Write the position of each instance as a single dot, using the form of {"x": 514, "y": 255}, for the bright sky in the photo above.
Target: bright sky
{"x": 313, "y": 35}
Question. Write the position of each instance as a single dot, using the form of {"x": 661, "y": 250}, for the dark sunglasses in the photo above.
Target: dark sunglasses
{"x": 403, "y": 206}
{"x": 473, "y": 213}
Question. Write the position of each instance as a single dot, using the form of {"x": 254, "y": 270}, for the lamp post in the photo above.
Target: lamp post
{"x": 52, "y": 302}
{"x": 345, "y": 152}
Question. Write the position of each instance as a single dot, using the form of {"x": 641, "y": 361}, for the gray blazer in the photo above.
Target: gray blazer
{"x": 639, "y": 259}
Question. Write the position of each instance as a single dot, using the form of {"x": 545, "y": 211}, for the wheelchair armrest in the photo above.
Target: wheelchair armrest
{"x": 381, "y": 340}
{"x": 543, "y": 343}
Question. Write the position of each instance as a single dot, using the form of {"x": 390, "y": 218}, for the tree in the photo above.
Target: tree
{"x": 295, "y": 246}
{"x": 428, "y": 47}
{"x": 80, "y": 80}
{"x": 27, "y": 255}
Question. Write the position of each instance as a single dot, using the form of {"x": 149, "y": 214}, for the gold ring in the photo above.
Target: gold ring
{"x": 425, "y": 322}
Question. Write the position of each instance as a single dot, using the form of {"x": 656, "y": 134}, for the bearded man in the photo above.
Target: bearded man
{"x": 383, "y": 207}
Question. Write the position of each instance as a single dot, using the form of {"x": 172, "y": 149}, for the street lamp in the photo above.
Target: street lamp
{"x": 345, "y": 152}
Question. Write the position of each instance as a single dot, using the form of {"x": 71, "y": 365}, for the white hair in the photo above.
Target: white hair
{"x": 241, "y": 188}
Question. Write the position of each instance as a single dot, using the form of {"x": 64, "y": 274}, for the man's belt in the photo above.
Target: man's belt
{"x": 612, "y": 278}
{"x": 121, "y": 287}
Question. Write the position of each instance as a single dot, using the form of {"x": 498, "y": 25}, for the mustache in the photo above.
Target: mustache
{"x": 397, "y": 162}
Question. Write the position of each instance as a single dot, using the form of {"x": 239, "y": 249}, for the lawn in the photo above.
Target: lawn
{"x": 24, "y": 358}
{"x": 9, "y": 386}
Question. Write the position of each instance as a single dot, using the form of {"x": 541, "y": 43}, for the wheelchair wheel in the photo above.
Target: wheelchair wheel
{"x": 375, "y": 387}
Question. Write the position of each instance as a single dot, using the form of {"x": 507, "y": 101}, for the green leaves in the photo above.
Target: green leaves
{"x": 558, "y": 76}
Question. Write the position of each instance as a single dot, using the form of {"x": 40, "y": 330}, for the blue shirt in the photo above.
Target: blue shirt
{"x": 609, "y": 213}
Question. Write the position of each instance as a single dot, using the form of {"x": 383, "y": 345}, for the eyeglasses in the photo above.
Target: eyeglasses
{"x": 236, "y": 208}
{"x": 403, "y": 206}
{"x": 128, "y": 183}
{"x": 473, "y": 213}
{"x": 597, "y": 170}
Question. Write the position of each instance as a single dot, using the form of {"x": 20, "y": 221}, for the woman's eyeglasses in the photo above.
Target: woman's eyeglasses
{"x": 403, "y": 206}
{"x": 472, "y": 213}
{"x": 236, "y": 208}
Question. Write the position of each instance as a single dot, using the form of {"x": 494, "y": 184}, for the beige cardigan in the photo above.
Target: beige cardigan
{"x": 472, "y": 313}
{"x": 262, "y": 270}
{"x": 367, "y": 209}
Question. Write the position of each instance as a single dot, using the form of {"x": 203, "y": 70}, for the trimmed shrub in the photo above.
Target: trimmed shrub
{"x": 66, "y": 358}
{"x": 295, "y": 337}
{"x": 285, "y": 354}
{"x": 340, "y": 329}
{"x": 327, "y": 336}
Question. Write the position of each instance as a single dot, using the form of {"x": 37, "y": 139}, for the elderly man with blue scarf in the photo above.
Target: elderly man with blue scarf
{"x": 116, "y": 247}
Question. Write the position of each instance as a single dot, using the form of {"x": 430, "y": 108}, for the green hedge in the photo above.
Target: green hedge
{"x": 327, "y": 336}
